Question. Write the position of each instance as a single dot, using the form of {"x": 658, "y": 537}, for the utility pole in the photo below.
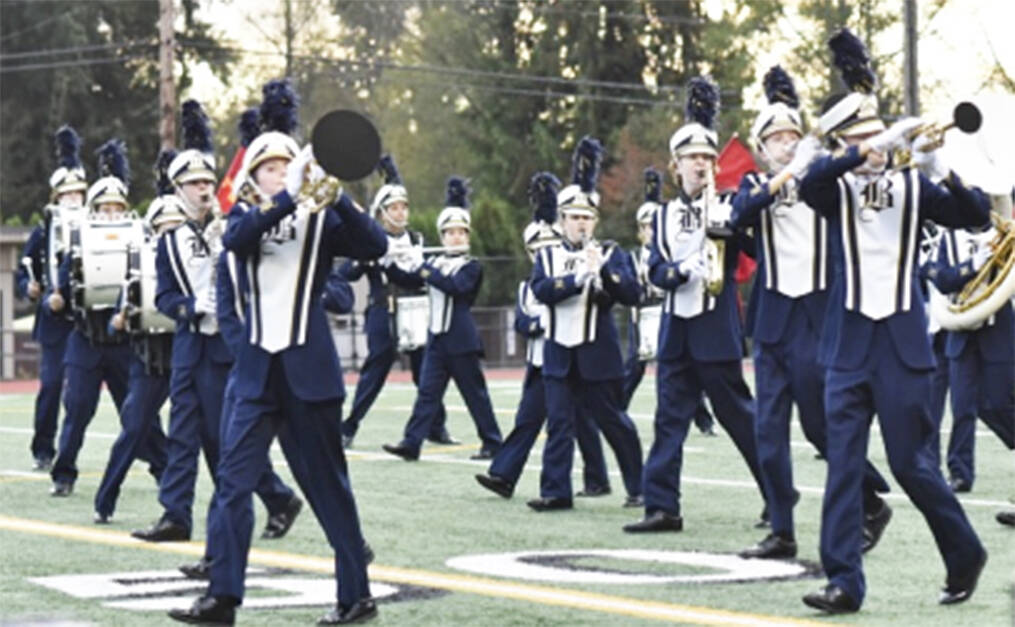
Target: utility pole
{"x": 289, "y": 36}
{"x": 911, "y": 71}
{"x": 167, "y": 86}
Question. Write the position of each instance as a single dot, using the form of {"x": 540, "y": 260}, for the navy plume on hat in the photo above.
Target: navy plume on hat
{"x": 68, "y": 147}
{"x": 543, "y": 188}
{"x": 585, "y": 164}
{"x": 249, "y": 126}
{"x": 653, "y": 186}
{"x": 163, "y": 185}
{"x": 779, "y": 87}
{"x": 851, "y": 58}
{"x": 702, "y": 102}
{"x": 457, "y": 193}
{"x": 279, "y": 107}
{"x": 386, "y": 166}
{"x": 113, "y": 160}
{"x": 196, "y": 131}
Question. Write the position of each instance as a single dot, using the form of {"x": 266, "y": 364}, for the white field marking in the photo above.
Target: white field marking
{"x": 731, "y": 567}
{"x": 546, "y": 595}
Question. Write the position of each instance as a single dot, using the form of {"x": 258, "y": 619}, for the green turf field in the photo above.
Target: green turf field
{"x": 419, "y": 515}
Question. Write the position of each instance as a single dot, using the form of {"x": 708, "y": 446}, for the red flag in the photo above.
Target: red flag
{"x": 226, "y": 193}
{"x": 735, "y": 160}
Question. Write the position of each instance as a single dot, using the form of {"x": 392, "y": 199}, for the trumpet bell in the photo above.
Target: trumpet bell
{"x": 346, "y": 144}
{"x": 967, "y": 117}
{"x": 984, "y": 157}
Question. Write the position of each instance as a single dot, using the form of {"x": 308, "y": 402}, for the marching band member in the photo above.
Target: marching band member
{"x": 579, "y": 280}
{"x": 650, "y": 302}
{"x": 288, "y": 380}
{"x": 148, "y": 382}
{"x": 67, "y": 189}
{"x": 700, "y": 334}
{"x": 790, "y": 308}
{"x": 530, "y": 321}
{"x": 388, "y": 280}
{"x": 930, "y": 241}
{"x": 981, "y": 361}
{"x": 453, "y": 345}
{"x": 875, "y": 342}
{"x": 94, "y": 355}
{"x": 185, "y": 262}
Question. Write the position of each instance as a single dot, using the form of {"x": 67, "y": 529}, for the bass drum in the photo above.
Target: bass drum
{"x": 648, "y": 331}
{"x": 412, "y": 320}
{"x": 99, "y": 260}
{"x": 141, "y": 284}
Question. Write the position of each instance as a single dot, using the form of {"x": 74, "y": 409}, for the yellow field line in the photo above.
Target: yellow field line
{"x": 562, "y": 597}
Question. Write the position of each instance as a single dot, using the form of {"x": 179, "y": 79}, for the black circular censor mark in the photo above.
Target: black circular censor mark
{"x": 346, "y": 144}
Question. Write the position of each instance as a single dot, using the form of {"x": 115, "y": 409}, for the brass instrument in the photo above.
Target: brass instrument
{"x": 713, "y": 248}
{"x": 989, "y": 290}
{"x": 966, "y": 117}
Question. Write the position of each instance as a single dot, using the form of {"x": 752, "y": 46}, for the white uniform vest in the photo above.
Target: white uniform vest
{"x": 442, "y": 305}
{"x": 531, "y": 307}
{"x": 960, "y": 246}
{"x": 281, "y": 276}
{"x": 679, "y": 233}
{"x": 794, "y": 242}
{"x": 880, "y": 227}
{"x": 571, "y": 321}
{"x": 192, "y": 260}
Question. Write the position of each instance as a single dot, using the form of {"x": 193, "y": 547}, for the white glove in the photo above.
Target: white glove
{"x": 693, "y": 267}
{"x": 806, "y": 150}
{"x": 894, "y": 136}
{"x": 981, "y": 256}
{"x": 582, "y": 278}
{"x": 930, "y": 162}
{"x": 295, "y": 170}
{"x": 205, "y": 303}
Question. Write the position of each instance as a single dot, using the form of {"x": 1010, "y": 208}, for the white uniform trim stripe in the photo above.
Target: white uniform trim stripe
{"x": 909, "y": 236}
{"x": 849, "y": 247}
{"x": 175, "y": 264}
{"x": 306, "y": 281}
{"x": 256, "y": 331}
{"x": 234, "y": 278}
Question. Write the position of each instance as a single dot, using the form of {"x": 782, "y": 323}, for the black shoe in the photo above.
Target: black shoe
{"x": 709, "y": 432}
{"x": 102, "y": 519}
{"x": 484, "y": 454}
{"x": 164, "y": 530}
{"x": 874, "y": 525}
{"x": 961, "y": 588}
{"x": 960, "y": 485}
{"x": 442, "y": 438}
{"x": 43, "y": 463}
{"x": 1006, "y": 518}
{"x": 497, "y": 485}
{"x": 773, "y": 547}
{"x": 594, "y": 491}
{"x": 764, "y": 520}
{"x": 550, "y": 504}
{"x": 656, "y": 521}
{"x": 207, "y": 610}
{"x": 634, "y": 501}
{"x": 832, "y": 599}
{"x": 361, "y": 611}
{"x": 61, "y": 488}
{"x": 402, "y": 450}
{"x": 201, "y": 569}
{"x": 279, "y": 524}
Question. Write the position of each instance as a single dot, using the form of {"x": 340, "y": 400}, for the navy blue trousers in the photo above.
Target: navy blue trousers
{"x": 81, "y": 399}
{"x": 140, "y": 436}
{"x": 900, "y": 396}
{"x": 984, "y": 388}
{"x": 788, "y": 372}
{"x": 679, "y": 385}
{"x": 529, "y": 419}
{"x": 47, "y": 402}
{"x": 938, "y": 391}
{"x": 571, "y": 399}
{"x": 634, "y": 372}
{"x": 381, "y": 356}
{"x": 311, "y": 440}
{"x": 197, "y": 394}
{"x": 438, "y": 369}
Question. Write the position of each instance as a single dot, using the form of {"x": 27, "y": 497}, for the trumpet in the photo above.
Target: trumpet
{"x": 966, "y": 117}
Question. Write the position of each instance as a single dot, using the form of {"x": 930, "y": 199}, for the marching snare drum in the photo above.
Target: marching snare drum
{"x": 142, "y": 278}
{"x": 99, "y": 263}
{"x": 648, "y": 331}
{"x": 412, "y": 318}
